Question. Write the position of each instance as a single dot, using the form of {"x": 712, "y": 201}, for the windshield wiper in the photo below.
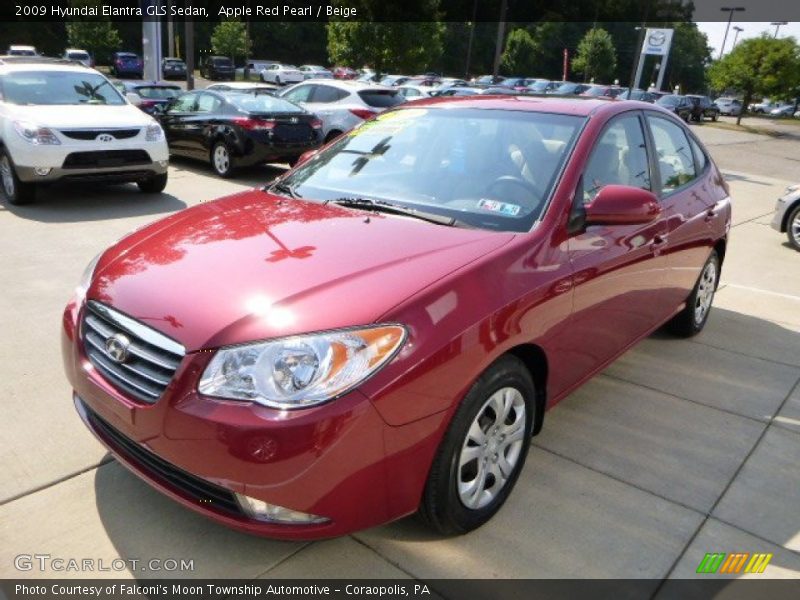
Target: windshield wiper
{"x": 284, "y": 188}
{"x": 388, "y": 207}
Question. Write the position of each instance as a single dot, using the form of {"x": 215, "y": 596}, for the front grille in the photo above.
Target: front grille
{"x": 91, "y": 134}
{"x": 106, "y": 158}
{"x": 150, "y": 358}
{"x": 191, "y": 486}
{"x": 285, "y": 132}
{"x": 109, "y": 177}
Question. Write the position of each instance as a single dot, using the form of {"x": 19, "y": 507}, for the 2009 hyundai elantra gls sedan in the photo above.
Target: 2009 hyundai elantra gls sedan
{"x": 380, "y": 331}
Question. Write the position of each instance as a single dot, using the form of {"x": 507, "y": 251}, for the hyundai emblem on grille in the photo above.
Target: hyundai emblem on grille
{"x": 117, "y": 347}
{"x": 105, "y": 137}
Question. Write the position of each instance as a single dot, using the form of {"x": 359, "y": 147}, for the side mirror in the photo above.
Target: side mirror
{"x": 305, "y": 157}
{"x": 134, "y": 98}
{"x": 622, "y": 205}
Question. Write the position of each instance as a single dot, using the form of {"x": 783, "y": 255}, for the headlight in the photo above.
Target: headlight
{"x": 153, "y": 133}
{"x": 86, "y": 278}
{"x": 40, "y": 136}
{"x": 303, "y": 370}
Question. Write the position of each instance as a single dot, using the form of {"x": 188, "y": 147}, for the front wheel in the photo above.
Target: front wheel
{"x": 17, "y": 192}
{"x": 154, "y": 184}
{"x": 793, "y": 228}
{"x": 691, "y": 320}
{"x": 483, "y": 451}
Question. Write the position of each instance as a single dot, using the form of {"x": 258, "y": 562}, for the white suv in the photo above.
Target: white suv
{"x": 341, "y": 105}
{"x": 62, "y": 121}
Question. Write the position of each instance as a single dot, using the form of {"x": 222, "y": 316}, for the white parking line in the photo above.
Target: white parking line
{"x": 771, "y": 293}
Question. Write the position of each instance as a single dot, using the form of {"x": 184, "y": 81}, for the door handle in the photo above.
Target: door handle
{"x": 659, "y": 241}
{"x": 711, "y": 214}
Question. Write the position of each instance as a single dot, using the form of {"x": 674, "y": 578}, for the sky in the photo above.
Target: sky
{"x": 716, "y": 32}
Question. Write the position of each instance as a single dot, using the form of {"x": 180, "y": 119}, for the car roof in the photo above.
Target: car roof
{"x": 10, "y": 64}
{"x": 349, "y": 84}
{"x": 545, "y": 104}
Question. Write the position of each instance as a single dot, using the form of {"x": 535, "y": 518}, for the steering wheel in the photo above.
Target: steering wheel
{"x": 519, "y": 182}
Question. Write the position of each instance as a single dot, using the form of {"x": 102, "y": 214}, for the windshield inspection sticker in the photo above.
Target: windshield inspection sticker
{"x": 504, "y": 208}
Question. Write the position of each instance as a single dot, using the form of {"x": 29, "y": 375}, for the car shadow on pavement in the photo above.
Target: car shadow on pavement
{"x": 74, "y": 203}
{"x": 255, "y": 176}
{"x": 624, "y": 532}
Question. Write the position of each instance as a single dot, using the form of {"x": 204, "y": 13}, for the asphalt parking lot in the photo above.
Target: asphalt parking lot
{"x": 678, "y": 449}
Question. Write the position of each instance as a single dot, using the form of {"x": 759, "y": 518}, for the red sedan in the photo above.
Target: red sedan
{"x": 380, "y": 331}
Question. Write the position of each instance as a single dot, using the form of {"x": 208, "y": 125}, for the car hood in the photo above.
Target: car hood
{"x": 88, "y": 115}
{"x": 255, "y": 266}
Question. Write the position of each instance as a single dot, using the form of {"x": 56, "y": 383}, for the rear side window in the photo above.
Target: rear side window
{"x": 325, "y": 94}
{"x": 620, "y": 158}
{"x": 158, "y": 93}
{"x": 674, "y": 153}
{"x": 381, "y": 98}
{"x": 300, "y": 93}
{"x": 208, "y": 103}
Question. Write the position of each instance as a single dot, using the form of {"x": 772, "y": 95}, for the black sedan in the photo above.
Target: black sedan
{"x": 680, "y": 105}
{"x": 235, "y": 129}
{"x": 173, "y": 68}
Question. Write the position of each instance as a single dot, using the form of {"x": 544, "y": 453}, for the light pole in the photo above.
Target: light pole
{"x": 636, "y": 58}
{"x": 778, "y": 26}
{"x": 738, "y": 30}
{"x": 731, "y": 10}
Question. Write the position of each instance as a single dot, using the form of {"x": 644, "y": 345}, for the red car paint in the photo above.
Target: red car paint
{"x": 568, "y": 303}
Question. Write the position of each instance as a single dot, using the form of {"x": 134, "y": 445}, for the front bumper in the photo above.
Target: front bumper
{"x": 105, "y": 175}
{"x": 340, "y": 460}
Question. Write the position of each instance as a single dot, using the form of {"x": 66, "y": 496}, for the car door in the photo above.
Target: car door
{"x": 174, "y": 122}
{"x": 619, "y": 270}
{"x": 205, "y": 115}
{"x": 684, "y": 179}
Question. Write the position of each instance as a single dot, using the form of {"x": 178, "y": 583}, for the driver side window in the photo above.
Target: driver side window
{"x": 619, "y": 157}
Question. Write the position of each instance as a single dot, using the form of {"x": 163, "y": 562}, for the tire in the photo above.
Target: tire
{"x": 154, "y": 184}
{"x": 691, "y": 320}
{"x": 714, "y": 117}
{"x": 793, "y": 227}
{"x": 222, "y": 160}
{"x": 457, "y": 498}
{"x": 16, "y": 192}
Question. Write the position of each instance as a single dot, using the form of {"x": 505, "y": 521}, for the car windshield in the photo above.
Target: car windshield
{"x": 58, "y": 87}
{"x": 567, "y": 88}
{"x": 151, "y": 92}
{"x": 539, "y": 86}
{"x": 261, "y": 103}
{"x": 78, "y": 55}
{"x": 492, "y": 169}
{"x": 126, "y": 55}
{"x": 669, "y": 100}
{"x": 21, "y": 53}
{"x": 381, "y": 98}
{"x": 173, "y": 61}
{"x": 221, "y": 62}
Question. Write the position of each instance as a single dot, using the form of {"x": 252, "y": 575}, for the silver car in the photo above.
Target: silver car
{"x": 729, "y": 106}
{"x": 787, "y": 215}
{"x": 341, "y": 105}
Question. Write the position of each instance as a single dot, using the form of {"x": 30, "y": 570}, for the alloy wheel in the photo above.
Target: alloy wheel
{"x": 7, "y": 176}
{"x": 491, "y": 448}
{"x": 705, "y": 292}
{"x": 794, "y": 227}
{"x": 222, "y": 160}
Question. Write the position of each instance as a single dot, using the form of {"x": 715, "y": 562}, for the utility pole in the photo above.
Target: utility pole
{"x": 189, "y": 34}
{"x": 170, "y": 30}
{"x": 777, "y": 25}
{"x": 730, "y": 10}
{"x": 471, "y": 37}
{"x": 501, "y": 31}
{"x": 636, "y": 58}
{"x": 738, "y": 30}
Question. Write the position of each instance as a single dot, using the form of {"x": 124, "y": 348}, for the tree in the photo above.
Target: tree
{"x": 760, "y": 66}
{"x": 596, "y": 57}
{"x": 688, "y": 58}
{"x": 521, "y": 56}
{"x": 99, "y": 37}
{"x": 393, "y": 46}
{"x": 230, "y": 39}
